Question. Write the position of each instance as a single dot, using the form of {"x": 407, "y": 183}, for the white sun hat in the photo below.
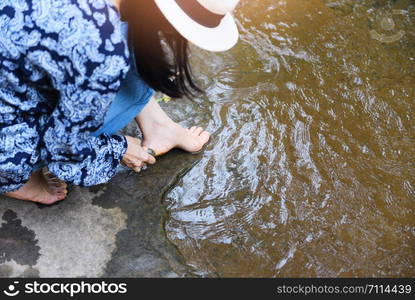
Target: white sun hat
{"x": 208, "y": 24}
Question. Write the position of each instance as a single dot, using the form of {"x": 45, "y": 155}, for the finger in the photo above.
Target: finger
{"x": 149, "y": 159}
{"x": 138, "y": 164}
{"x": 137, "y": 169}
{"x": 149, "y": 151}
{"x": 192, "y": 128}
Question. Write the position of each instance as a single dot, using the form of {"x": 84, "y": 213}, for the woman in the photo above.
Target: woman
{"x": 69, "y": 82}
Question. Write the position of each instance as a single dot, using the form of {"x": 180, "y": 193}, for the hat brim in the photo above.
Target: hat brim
{"x": 220, "y": 38}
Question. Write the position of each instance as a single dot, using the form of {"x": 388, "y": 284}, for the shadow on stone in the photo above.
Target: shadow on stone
{"x": 16, "y": 241}
{"x": 112, "y": 230}
{"x": 142, "y": 247}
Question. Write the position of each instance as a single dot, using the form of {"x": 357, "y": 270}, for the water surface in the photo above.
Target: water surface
{"x": 311, "y": 168}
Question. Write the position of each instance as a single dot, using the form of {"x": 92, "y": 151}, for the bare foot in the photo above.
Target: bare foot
{"x": 161, "y": 134}
{"x": 164, "y": 137}
{"x": 41, "y": 187}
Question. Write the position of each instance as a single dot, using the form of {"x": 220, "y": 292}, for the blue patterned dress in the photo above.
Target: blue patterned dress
{"x": 61, "y": 64}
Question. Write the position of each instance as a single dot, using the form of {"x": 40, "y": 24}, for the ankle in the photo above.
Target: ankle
{"x": 155, "y": 123}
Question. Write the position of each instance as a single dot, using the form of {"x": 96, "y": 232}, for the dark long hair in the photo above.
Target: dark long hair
{"x": 167, "y": 72}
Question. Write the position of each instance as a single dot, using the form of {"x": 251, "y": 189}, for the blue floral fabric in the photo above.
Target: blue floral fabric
{"x": 61, "y": 64}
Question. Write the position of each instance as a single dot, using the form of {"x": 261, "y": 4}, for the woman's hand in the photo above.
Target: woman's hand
{"x": 136, "y": 156}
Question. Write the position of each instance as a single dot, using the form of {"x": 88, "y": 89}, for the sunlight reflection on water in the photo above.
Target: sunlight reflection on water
{"x": 310, "y": 170}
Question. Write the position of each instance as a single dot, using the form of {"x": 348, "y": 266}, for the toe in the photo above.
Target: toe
{"x": 58, "y": 191}
{"x": 59, "y": 186}
{"x": 198, "y": 130}
{"x": 64, "y": 192}
{"x": 54, "y": 181}
{"x": 64, "y": 185}
{"x": 205, "y": 137}
{"x": 52, "y": 199}
{"x": 61, "y": 197}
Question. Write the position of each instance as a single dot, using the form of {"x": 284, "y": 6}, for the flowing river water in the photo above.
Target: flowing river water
{"x": 311, "y": 168}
